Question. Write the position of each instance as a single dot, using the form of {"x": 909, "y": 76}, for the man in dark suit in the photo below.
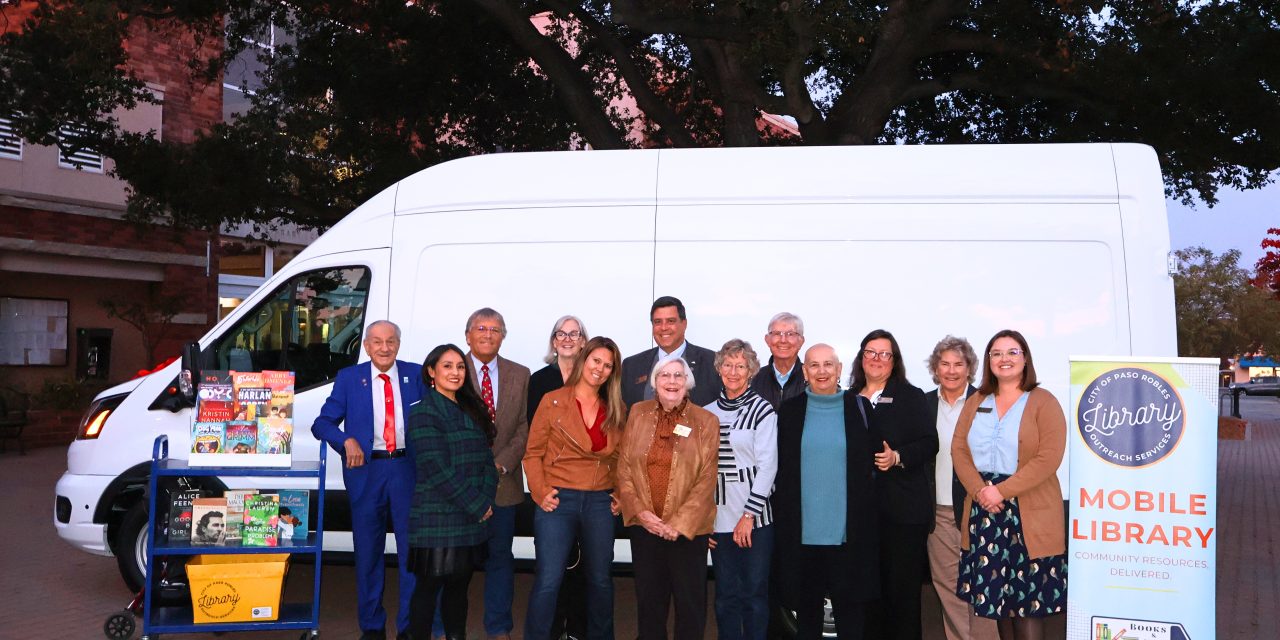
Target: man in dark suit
{"x": 953, "y": 365}
{"x": 669, "y": 323}
{"x": 504, "y": 387}
{"x": 364, "y": 421}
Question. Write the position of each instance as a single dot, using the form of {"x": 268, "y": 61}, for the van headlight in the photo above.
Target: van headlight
{"x": 94, "y": 419}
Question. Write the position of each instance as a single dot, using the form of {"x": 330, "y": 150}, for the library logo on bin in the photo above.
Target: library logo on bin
{"x": 218, "y": 599}
{"x": 1131, "y": 417}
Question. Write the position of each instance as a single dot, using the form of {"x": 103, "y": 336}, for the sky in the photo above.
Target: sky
{"x": 1239, "y": 221}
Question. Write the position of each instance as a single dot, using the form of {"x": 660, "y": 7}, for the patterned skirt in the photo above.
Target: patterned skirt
{"x": 998, "y": 577}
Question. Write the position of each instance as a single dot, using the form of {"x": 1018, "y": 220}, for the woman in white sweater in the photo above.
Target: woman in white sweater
{"x": 742, "y": 545}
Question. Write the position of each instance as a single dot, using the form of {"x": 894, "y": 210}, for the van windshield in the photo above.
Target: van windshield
{"x": 311, "y": 325}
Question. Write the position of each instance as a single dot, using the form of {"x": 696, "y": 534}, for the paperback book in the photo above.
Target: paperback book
{"x": 261, "y": 521}
{"x": 275, "y": 435}
{"x": 242, "y": 437}
{"x": 295, "y": 505}
{"x": 208, "y": 437}
{"x": 281, "y": 385}
{"x": 208, "y": 521}
{"x": 235, "y": 511}
{"x": 216, "y": 399}
{"x": 252, "y": 396}
{"x": 180, "y": 513}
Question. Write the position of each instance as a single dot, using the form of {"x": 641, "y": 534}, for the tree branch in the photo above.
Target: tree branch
{"x": 579, "y": 95}
{"x": 653, "y": 106}
{"x": 975, "y": 82}
{"x": 629, "y": 13}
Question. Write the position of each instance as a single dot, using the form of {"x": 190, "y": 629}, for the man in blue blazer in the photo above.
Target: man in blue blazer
{"x": 364, "y": 421}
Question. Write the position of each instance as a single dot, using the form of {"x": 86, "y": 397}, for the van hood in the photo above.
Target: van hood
{"x": 126, "y": 387}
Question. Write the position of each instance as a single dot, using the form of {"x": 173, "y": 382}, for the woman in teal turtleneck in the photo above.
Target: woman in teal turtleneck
{"x": 824, "y": 500}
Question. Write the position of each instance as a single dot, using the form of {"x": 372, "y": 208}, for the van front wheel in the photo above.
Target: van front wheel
{"x": 131, "y": 546}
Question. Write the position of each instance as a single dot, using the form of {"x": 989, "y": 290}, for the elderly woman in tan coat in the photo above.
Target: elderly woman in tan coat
{"x": 666, "y": 484}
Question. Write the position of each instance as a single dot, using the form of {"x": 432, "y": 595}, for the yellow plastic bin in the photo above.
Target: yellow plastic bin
{"x": 236, "y": 587}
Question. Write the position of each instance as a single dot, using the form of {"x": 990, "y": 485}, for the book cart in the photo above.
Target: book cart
{"x": 180, "y": 618}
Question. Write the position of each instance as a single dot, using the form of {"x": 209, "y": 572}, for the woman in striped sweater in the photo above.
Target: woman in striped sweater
{"x": 742, "y": 544}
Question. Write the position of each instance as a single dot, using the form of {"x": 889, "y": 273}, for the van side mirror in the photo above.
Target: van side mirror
{"x": 190, "y": 374}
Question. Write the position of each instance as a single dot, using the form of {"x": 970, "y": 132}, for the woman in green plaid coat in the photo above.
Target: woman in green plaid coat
{"x": 450, "y": 434}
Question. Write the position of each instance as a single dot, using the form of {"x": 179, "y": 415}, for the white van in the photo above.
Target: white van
{"x": 1067, "y": 243}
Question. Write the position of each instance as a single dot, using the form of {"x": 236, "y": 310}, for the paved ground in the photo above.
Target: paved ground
{"x": 48, "y": 589}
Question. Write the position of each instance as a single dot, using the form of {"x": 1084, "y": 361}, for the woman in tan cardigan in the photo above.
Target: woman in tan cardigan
{"x": 569, "y": 462}
{"x": 1008, "y": 444}
{"x": 666, "y": 484}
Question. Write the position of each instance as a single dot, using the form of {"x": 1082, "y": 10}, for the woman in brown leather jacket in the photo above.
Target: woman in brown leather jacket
{"x": 666, "y": 484}
{"x": 569, "y": 463}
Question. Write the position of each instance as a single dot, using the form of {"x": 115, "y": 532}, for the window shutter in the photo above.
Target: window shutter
{"x": 10, "y": 143}
{"x": 82, "y": 159}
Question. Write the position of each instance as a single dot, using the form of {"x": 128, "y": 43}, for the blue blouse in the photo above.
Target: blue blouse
{"x": 823, "y": 482}
{"x": 993, "y": 440}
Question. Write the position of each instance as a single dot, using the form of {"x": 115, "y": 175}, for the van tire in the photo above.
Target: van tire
{"x": 131, "y": 546}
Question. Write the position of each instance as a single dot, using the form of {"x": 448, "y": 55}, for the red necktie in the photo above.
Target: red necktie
{"x": 486, "y": 392}
{"x": 389, "y": 423}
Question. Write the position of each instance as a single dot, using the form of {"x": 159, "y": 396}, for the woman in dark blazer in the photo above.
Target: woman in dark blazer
{"x": 568, "y": 334}
{"x": 450, "y": 434}
{"x": 905, "y": 460}
{"x": 826, "y": 538}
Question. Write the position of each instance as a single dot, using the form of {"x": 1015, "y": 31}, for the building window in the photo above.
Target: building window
{"x": 10, "y": 143}
{"x": 242, "y": 259}
{"x": 79, "y": 158}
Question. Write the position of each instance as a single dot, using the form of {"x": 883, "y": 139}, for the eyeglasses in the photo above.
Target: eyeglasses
{"x": 871, "y": 354}
{"x": 568, "y": 335}
{"x": 671, "y": 375}
{"x": 480, "y": 328}
{"x": 1012, "y": 353}
{"x": 733, "y": 366}
{"x": 781, "y": 335}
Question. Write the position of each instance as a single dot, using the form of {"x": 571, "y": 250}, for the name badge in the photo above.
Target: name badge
{"x": 642, "y": 379}
{"x": 984, "y": 409}
{"x": 682, "y": 431}
{"x": 884, "y": 400}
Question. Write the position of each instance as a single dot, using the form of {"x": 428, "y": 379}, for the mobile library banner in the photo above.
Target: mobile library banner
{"x": 1143, "y": 527}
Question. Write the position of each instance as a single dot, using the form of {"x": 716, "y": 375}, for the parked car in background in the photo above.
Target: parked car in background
{"x": 1262, "y": 386}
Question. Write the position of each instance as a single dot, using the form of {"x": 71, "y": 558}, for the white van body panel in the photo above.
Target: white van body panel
{"x": 1067, "y": 243}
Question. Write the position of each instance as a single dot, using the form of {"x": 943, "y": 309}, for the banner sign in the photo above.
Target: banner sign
{"x": 1142, "y": 536}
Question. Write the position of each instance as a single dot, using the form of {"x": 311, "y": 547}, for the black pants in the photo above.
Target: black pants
{"x": 452, "y": 592}
{"x": 667, "y": 570}
{"x": 825, "y": 572}
{"x": 904, "y": 557}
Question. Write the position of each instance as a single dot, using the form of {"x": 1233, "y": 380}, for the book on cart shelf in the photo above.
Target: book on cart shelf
{"x": 250, "y": 416}
{"x": 295, "y": 507}
{"x": 261, "y": 521}
{"x": 180, "y": 513}
{"x": 208, "y": 437}
{"x": 253, "y": 396}
{"x": 235, "y": 511}
{"x": 216, "y": 400}
{"x": 209, "y": 521}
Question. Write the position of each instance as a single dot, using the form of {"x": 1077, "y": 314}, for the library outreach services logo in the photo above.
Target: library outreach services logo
{"x": 1131, "y": 417}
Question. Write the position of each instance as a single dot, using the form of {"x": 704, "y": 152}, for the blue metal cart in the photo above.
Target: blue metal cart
{"x": 179, "y": 619}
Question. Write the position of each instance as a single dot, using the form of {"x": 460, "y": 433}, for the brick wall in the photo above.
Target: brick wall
{"x": 161, "y": 52}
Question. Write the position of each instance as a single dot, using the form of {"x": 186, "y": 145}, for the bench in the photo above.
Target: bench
{"x": 13, "y": 419}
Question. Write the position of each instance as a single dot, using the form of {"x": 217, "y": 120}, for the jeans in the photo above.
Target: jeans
{"x": 582, "y": 515}
{"x": 742, "y": 585}
{"x": 499, "y": 572}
